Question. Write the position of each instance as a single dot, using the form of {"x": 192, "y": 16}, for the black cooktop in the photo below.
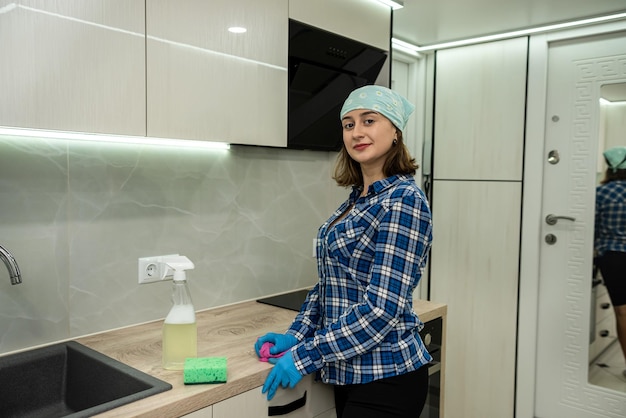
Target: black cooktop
{"x": 291, "y": 300}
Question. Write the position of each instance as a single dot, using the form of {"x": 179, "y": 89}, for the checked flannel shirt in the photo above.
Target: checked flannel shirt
{"x": 610, "y": 224}
{"x": 357, "y": 324}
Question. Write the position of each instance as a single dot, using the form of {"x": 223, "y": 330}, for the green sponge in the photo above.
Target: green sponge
{"x": 204, "y": 370}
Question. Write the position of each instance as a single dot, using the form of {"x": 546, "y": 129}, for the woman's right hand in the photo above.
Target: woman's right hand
{"x": 282, "y": 342}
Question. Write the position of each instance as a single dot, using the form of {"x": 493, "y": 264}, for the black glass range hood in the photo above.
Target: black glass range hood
{"x": 323, "y": 69}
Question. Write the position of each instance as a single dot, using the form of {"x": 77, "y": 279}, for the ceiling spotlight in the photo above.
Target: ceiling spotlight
{"x": 237, "y": 29}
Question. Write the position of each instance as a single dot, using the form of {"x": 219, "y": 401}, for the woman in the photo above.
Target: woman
{"x": 610, "y": 235}
{"x": 357, "y": 326}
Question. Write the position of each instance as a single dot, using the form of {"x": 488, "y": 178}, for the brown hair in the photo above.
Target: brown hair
{"x": 399, "y": 161}
{"x": 611, "y": 175}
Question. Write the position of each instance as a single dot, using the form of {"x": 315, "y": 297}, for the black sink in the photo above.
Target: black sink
{"x": 69, "y": 380}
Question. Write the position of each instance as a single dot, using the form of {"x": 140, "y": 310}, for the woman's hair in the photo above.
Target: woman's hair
{"x": 399, "y": 161}
{"x": 612, "y": 174}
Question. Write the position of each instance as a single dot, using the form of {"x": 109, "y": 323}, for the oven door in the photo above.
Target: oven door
{"x": 432, "y": 336}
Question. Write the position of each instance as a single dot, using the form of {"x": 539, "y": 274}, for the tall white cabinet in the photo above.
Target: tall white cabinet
{"x": 56, "y": 57}
{"x": 476, "y": 202}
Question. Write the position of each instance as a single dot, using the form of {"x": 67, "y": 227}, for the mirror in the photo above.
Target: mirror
{"x": 606, "y": 358}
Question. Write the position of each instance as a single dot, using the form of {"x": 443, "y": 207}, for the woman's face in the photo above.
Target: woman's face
{"x": 368, "y": 136}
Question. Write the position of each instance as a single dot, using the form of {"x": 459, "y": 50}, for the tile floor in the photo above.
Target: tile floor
{"x": 607, "y": 369}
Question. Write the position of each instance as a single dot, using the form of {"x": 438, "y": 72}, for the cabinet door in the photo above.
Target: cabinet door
{"x": 254, "y": 404}
{"x": 73, "y": 65}
{"x": 206, "y": 83}
{"x": 331, "y": 413}
{"x": 201, "y": 413}
{"x": 480, "y": 114}
{"x": 476, "y": 253}
{"x": 320, "y": 400}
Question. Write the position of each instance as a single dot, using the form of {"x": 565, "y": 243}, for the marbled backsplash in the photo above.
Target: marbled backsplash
{"x": 78, "y": 215}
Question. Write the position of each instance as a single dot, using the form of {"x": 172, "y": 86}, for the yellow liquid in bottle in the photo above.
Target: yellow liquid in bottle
{"x": 179, "y": 342}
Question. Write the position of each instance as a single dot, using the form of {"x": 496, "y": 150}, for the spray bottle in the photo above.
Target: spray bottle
{"x": 180, "y": 338}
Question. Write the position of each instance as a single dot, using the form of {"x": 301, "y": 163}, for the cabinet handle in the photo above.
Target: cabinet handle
{"x": 273, "y": 411}
{"x": 605, "y": 305}
{"x": 433, "y": 367}
{"x": 604, "y": 333}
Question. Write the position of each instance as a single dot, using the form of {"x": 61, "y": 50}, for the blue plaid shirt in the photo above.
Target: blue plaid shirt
{"x": 610, "y": 225}
{"x": 357, "y": 324}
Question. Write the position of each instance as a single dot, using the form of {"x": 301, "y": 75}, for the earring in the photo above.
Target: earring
{"x": 395, "y": 141}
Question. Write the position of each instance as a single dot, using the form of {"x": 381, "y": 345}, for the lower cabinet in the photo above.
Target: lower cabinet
{"x": 603, "y": 330}
{"x": 201, "y": 413}
{"x": 331, "y": 413}
{"x": 309, "y": 399}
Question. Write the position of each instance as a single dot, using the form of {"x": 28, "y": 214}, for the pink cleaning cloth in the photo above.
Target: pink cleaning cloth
{"x": 265, "y": 354}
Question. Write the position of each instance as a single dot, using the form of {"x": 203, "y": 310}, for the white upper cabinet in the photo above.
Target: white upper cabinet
{"x": 73, "y": 65}
{"x": 206, "y": 83}
{"x": 365, "y": 21}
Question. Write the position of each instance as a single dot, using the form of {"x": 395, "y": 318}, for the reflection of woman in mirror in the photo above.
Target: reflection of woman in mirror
{"x": 610, "y": 235}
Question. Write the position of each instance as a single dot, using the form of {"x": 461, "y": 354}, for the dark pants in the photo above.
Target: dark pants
{"x": 613, "y": 267}
{"x": 401, "y": 396}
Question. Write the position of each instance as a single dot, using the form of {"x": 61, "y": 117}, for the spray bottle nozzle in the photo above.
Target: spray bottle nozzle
{"x": 179, "y": 264}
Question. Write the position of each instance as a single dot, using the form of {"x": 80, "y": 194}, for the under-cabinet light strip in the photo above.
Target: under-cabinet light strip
{"x": 505, "y": 35}
{"x": 120, "y": 139}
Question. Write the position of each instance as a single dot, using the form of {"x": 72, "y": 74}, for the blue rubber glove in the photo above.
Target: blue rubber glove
{"x": 284, "y": 373}
{"x": 282, "y": 342}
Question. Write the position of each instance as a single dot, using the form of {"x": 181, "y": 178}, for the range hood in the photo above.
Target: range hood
{"x": 323, "y": 69}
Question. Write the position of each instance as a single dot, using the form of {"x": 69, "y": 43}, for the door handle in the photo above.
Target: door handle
{"x": 552, "y": 219}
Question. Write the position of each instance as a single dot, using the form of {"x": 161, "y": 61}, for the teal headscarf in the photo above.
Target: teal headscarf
{"x": 382, "y": 100}
{"x": 616, "y": 158}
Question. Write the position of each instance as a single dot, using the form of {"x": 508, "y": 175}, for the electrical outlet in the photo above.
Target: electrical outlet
{"x": 152, "y": 269}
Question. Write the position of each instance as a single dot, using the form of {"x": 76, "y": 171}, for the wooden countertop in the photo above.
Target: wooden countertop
{"x": 228, "y": 331}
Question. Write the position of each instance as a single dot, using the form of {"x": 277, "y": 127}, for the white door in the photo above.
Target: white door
{"x": 577, "y": 68}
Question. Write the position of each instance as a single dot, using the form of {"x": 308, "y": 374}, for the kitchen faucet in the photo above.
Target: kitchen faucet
{"x": 12, "y": 267}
